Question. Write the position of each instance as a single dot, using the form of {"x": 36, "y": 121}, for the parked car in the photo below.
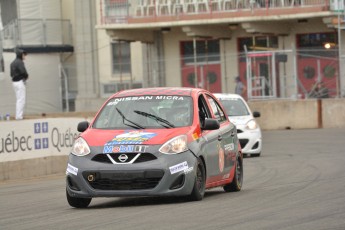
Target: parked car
{"x": 154, "y": 142}
{"x": 248, "y": 130}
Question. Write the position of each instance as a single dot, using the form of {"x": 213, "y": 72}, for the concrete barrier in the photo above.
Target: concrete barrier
{"x": 333, "y": 113}
{"x": 300, "y": 114}
{"x": 32, "y": 168}
{"x": 286, "y": 114}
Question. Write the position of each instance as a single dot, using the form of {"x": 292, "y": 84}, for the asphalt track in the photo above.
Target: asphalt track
{"x": 297, "y": 183}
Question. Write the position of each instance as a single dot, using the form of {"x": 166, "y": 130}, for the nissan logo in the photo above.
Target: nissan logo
{"x": 123, "y": 157}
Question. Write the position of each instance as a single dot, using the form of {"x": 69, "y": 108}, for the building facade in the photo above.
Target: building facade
{"x": 82, "y": 51}
{"x": 279, "y": 48}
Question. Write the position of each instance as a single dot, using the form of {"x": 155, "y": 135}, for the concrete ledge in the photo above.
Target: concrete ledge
{"x": 333, "y": 113}
{"x": 30, "y": 168}
{"x": 286, "y": 114}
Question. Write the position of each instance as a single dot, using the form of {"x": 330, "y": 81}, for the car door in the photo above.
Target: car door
{"x": 226, "y": 137}
{"x": 210, "y": 142}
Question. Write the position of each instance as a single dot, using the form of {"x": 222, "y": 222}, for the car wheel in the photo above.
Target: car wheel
{"x": 198, "y": 191}
{"x": 236, "y": 183}
{"x": 78, "y": 202}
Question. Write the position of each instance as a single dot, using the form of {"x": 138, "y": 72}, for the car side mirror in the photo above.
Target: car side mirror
{"x": 82, "y": 126}
{"x": 211, "y": 124}
{"x": 256, "y": 114}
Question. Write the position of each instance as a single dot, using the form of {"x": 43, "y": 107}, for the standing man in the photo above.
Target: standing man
{"x": 240, "y": 88}
{"x": 19, "y": 77}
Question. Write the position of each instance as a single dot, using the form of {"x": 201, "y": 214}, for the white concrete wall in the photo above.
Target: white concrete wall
{"x": 172, "y": 56}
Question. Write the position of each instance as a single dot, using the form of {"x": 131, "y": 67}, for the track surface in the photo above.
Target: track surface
{"x": 297, "y": 183}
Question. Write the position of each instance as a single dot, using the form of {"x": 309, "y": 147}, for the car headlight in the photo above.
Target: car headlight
{"x": 80, "y": 147}
{"x": 174, "y": 146}
{"x": 252, "y": 124}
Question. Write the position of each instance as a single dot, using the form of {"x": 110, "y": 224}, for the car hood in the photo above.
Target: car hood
{"x": 98, "y": 137}
{"x": 240, "y": 120}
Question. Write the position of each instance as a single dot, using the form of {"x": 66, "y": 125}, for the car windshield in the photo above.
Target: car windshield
{"x": 234, "y": 106}
{"x": 148, "y": 111}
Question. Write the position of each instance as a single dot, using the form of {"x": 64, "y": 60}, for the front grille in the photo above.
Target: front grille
{"x": 256, "y": 145}
{"x": 239, "y": 131}
{"x": 103, "y": 158}
{"x": 243, "y": 142}
{"x": 124, "y": 180}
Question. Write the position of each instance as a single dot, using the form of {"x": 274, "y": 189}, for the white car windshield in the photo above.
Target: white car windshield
{"x": 147, "y": 111}
{"x": 234, "y": 106}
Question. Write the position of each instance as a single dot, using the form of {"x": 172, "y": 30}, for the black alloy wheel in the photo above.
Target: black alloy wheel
{"x": 236, "y": 184}
{"x": 198, "y": 191}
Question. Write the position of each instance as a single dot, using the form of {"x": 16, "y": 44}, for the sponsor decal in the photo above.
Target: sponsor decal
{"x": 190, "y": 169}
{"x": 110, "y": 148}
{"x": 177, "y": 98}
{"x": 195, "y": 136}
{"x": 229, "y": 147}
{"x": 142, "y": 98}
{"x": 179, "y": 167}
{"x": 221, "y": 158}
{"x": 131, "y": 138}
{"x": 226, "y": 176}
{"x": 71, "y": 169}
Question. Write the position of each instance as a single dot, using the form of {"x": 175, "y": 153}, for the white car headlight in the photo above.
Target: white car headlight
{"x": 252, "y": 125}
{"x": 80, "y": 147}
{"x": 174, "y": 146}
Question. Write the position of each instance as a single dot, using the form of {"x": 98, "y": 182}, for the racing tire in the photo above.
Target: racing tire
{"x": 236, "y": 184}
{"x": 198, "y": 191}
{"x": 78, "y": 202}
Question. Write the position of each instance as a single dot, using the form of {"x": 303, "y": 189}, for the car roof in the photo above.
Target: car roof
{"x": 178, "y": 91}
{"x": 227, "y": 95}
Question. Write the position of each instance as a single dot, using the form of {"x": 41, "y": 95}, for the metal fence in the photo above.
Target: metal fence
{"x": 119, "y": 11}
{"x": 37, "y": 32}
{"x": 68, "y": 86}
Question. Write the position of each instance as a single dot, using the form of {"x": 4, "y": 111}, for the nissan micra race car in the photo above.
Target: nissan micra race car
{"x": 154, "y": 142}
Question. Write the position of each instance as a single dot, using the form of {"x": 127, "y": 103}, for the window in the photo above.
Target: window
{"x": 257, "y": 43}
{"x": 312, "y": 45}
{"x": 146, "y": 111}
{"x": 234, "y": 106}
{"x": 121, "y": 57}
{"x": 216, "y": 109}
{"x": 206, "y": 51}
{"x": 203, "y": 110}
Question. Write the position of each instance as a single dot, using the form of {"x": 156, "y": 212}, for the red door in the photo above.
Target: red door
{"x": 208, "y": 76}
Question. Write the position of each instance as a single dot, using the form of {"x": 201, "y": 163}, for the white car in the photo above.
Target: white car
{"x": 248, "y": 130}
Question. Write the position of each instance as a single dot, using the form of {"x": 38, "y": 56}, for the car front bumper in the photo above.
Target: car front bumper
{"x": 251, "y": 140}
{"x": 168, "y": 175}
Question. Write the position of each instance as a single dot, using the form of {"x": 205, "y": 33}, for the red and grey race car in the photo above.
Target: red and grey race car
{"x": 155, "y": 142}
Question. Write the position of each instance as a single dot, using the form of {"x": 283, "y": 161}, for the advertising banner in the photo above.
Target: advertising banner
{"x": 37, "y": 138}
